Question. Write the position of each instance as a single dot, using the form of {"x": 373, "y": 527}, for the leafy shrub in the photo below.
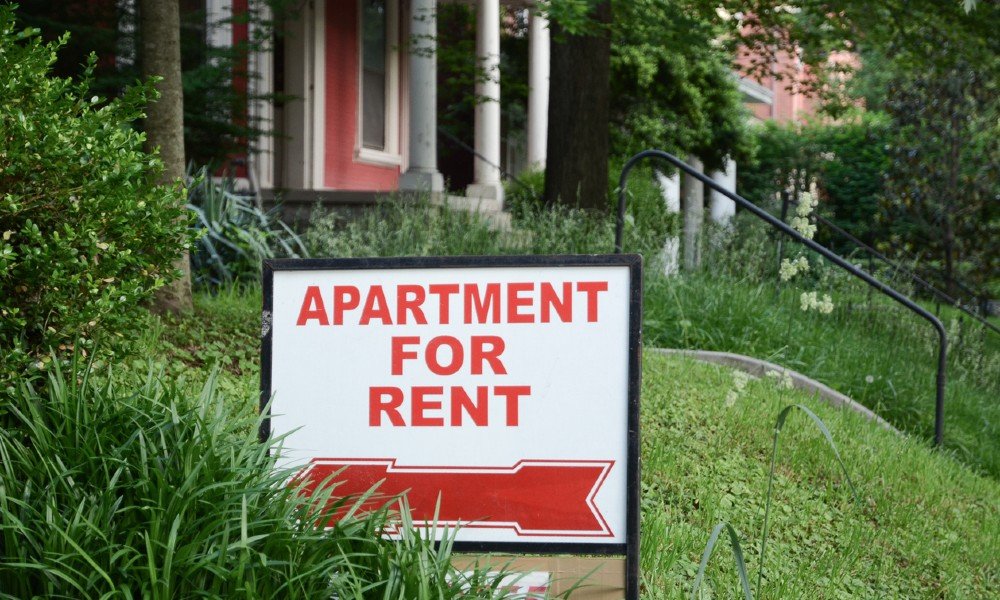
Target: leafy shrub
{"x": 400, "y": 228}
{"x": 525, "y": 195}
{"x": 136, "y": 491}
{"x": 85, "y": 233}
{"x": 235, "y": 235}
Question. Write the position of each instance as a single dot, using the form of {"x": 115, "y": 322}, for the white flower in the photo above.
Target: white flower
{"x": 807, "y": 300}
{"x": 782, "y": 380}
{"x": 791, "y": 268}
{"x": 869, "y": 379}
{"x": 803, "y": 226}
{"x": 826, "y": 305}
{"x": 807, "y": 202}
{"x": 812, "y": 301}
{"x": 731, "y": 397}
{"x": 740, "y": 380}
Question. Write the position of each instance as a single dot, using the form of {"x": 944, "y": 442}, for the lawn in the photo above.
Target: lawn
{"x": 876, "y": 353}
{"x": 924, "y": 524}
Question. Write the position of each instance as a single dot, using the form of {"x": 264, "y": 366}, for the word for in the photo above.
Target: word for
{"x": 518, "y": 302}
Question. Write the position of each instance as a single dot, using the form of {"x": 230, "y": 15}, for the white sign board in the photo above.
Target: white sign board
{"x": 501, "y": 392}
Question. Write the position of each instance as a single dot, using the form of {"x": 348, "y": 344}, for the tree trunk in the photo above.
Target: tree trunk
{"x": 576, "y": 171}
{"x": 161, "y": 57}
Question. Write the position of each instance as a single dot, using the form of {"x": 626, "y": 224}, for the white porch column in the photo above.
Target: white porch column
{"x": 486, "y": 173}
{"x": 261, "y": 159}
{"x": 538, "y": 90}
{"x": 722, "y": 209}
{"x": 423, "y": 174}
{"x": 693, "y": 192}
{"x": 671, "y": 189}
{"x": 219, "y": 20}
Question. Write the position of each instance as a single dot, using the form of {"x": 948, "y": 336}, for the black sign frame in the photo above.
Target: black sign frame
{"x": 630, "y": 549}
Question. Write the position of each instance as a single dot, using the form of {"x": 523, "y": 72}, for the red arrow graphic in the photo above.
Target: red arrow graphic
{"x": 534, "y": 497}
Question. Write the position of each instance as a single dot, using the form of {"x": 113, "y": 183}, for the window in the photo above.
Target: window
{"x": 373, "y": 74}
{"x": 378, "y": 92}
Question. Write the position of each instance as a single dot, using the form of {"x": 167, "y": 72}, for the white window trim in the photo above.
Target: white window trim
{"x": 391, "y": 156}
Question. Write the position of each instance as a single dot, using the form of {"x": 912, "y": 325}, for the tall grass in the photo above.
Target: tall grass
{"x": 138, "y": 491}
{"x": 876, "y": 354}
{"x": 403, "y": 226}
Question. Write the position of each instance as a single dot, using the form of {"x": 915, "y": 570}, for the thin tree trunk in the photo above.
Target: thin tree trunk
{"x": 576, "y": 171}
{"x": 161, "y": 57}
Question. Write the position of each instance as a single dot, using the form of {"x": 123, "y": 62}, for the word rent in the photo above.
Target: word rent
{"x": 443, "y": 355}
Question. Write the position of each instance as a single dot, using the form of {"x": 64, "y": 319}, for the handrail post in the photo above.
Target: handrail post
{"x": 812, "y": 245}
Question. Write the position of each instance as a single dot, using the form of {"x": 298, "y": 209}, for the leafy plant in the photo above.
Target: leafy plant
{"x": 134, "y": 489}
{"x": 86, "y": 234}
{"x": 525, "y": 196}
{"x": 234, "y": 234}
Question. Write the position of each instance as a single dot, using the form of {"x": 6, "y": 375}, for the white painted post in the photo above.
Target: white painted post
{"x": 422, "y": 174}
{"x": 298, "y": 115}
{"x": 671, "y": 190}
{"x": 261, "y": 163}
{"x": 538, "y": 90}
{"x": 693, "y": 192}
{"x": 486, "y": 172}
{"x": 721, "y": 208}
{"x": 218, "y": 19}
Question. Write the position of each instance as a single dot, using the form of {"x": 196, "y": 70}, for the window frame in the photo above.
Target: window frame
{"x": 390, "y": 155}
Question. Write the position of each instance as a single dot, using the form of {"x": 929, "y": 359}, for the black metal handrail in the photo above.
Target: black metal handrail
{"x": 821, "y": 250}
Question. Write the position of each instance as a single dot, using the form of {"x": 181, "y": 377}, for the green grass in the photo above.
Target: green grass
{"x": 925, "y": 527}
{"x": 147, "y": 480}
{"x": 880, "y": 356}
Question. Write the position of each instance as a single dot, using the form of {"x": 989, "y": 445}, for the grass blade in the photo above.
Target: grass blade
{"x": 782, "y": 417}
{"x": 741, "y": 567}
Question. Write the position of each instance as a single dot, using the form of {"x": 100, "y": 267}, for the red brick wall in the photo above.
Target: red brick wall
{"x": 341, "y": 170}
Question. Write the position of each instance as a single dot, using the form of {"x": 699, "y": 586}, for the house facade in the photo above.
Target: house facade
{"x": 356, "y": 83}
{"x": 357, "y": 111}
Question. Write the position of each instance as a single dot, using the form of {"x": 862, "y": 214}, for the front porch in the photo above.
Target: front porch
{"x": 360, "y": 112}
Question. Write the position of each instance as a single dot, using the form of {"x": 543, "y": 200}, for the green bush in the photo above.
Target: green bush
{"x": 135, "y": 490}
{"x": 234, "y": 235}
{"x": 524, "y": 196}
{"x": 844, "y": 161}
{"x": 87, "y": 235}
{"x": 402, "y": 228}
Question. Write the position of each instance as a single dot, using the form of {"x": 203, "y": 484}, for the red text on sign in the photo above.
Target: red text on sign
{"x": 445, "y": 354}
{"x": 513, "y": 302}
{"x": 426, "y": 407}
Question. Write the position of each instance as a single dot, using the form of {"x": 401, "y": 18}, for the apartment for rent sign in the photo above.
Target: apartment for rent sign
{"x": 500, "y": 392}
